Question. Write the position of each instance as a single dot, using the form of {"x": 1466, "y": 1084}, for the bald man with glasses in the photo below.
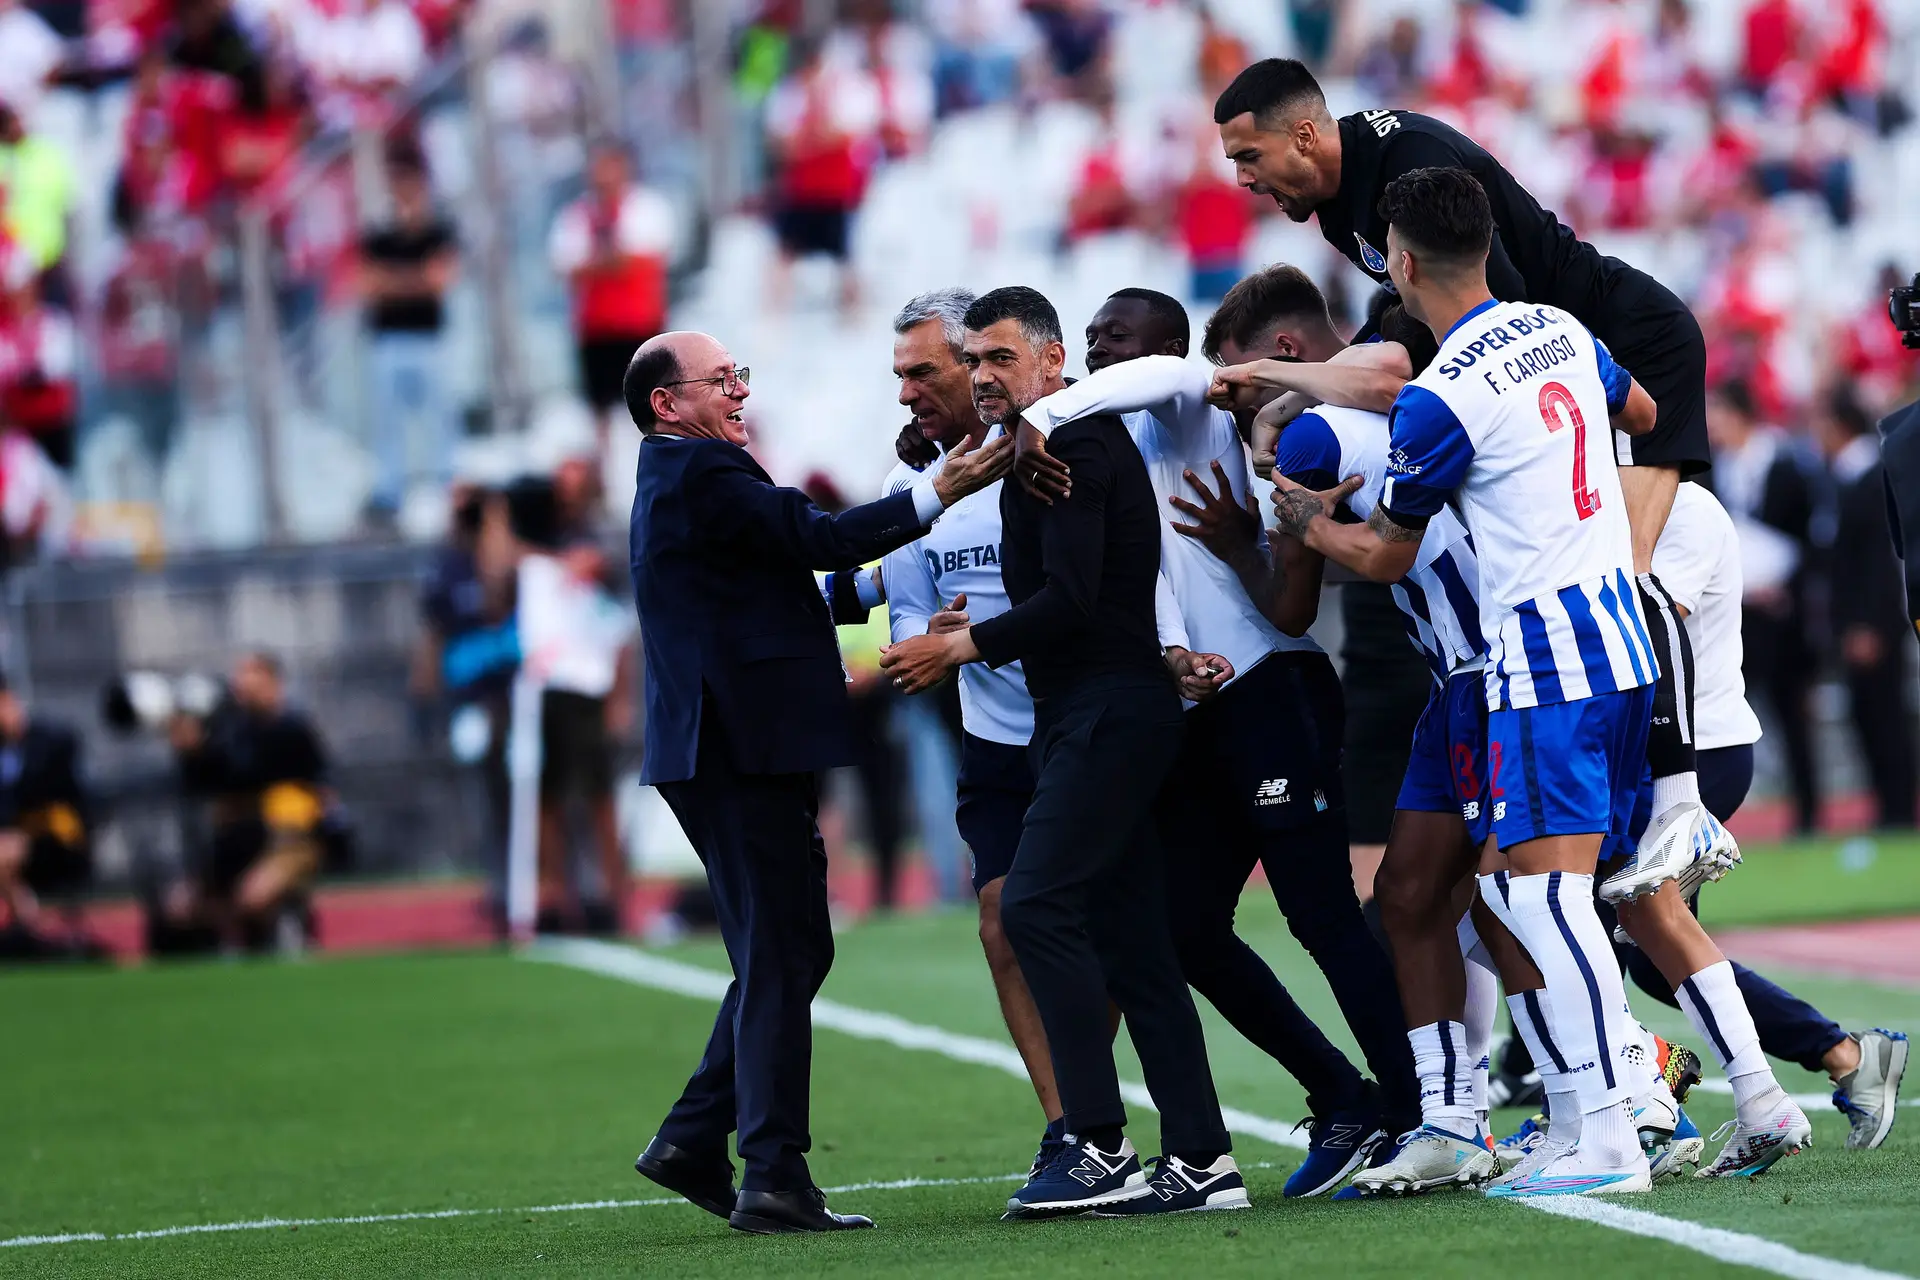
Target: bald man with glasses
{"x": 746, "y": 704}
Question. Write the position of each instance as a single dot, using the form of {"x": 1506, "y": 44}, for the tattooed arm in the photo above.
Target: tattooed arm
{"x": 1380, "y": 550}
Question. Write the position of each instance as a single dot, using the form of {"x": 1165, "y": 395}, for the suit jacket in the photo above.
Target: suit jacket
{"x": 1867, "y": 589}
{"x": 730, "y": 611}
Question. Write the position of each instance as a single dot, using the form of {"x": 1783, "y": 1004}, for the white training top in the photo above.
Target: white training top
{"x": 960, "y": 554}
{"x": 1438, "y": 596}
{"x": 1163, "y": 401}
{"x": 1511, "y": 424}
{"x": 1698, "y": 562}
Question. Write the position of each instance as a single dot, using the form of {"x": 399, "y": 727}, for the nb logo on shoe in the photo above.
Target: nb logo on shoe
{"x": 1342, "y": 1135}
{"x": 1272, "y": 791}
{"x": 1087, "y": 1172}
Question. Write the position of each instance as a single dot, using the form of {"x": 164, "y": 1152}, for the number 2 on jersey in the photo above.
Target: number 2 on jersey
{"x": 1557, "y": 407}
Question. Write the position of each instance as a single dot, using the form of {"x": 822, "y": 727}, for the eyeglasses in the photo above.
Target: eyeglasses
{"x": 724, "y": 381}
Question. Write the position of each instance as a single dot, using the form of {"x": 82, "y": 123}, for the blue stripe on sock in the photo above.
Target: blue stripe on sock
{"x": 1586, "y": 975}
{"x": 1701, "y": 1007}
{"x": 1500, "y": 883}
{"x": 1446, "y": 1049}
{"x": 1531, "y": 999}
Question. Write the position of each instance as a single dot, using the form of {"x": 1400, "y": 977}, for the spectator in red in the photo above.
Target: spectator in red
{"x": 1101, "y": 201}
{"x": 38, "y": 359}
{"x": 1772, "y": 41}
{"x": 823, "y": 123}
{"x": 257, "y": 140}
{"x": 613, "y": 245}
{"x": 1851, "y": 63}
{"x": 137, "y": 337}
{"x": 1216, "y": 222}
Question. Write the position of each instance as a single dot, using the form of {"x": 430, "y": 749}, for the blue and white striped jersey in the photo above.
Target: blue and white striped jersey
{"x": 1438, "y": 595}
{"x": 1510, "y": 424}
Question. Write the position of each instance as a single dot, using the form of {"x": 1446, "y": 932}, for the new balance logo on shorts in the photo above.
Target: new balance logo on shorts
{"x": 1500, "y": 811}
{"x": 1273, "y": 791}
{"x": 1470, "y": 810}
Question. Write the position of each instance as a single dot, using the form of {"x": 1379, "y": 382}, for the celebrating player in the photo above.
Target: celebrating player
{"x": 1506, "y": 425}
{"x": 1275, "y": 127}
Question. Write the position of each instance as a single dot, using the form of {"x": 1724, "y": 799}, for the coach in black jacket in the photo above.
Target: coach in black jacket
{"x": 746, "y": 702}
{"x": 1084, "y": 906}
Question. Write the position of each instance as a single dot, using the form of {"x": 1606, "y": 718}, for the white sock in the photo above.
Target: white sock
{"x": 1493, "y": 892}
{"x": 1673, "y": 789}
{"x": 1446, "y": 1075}
{"x": 1554, "y": 919}
{"x": 1608, "y": 1138}
{"x": 1483, "y": 1004}
{"x": 1712, "y": 1002}
{"x": 1529, "y": 1010}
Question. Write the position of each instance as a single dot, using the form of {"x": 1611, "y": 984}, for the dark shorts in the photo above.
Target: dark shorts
{"x": 809, "y": 230}
{"x": 575, "y": 756}
{"x": 1275, "y": 737}
{"x": 996, "y": 786}
{"x": 1447, "y": 770}
{"x": 603, "y": 369}
{"x": 1654, "y": 337}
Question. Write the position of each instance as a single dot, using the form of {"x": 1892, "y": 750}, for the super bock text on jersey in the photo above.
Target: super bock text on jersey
{"x": 1510, "y": 425}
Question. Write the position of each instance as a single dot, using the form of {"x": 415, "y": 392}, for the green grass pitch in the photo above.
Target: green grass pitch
{"x": 209, "y": 1094}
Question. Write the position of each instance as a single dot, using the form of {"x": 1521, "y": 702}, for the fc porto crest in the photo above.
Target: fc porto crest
{"x": 1371, "y": 258}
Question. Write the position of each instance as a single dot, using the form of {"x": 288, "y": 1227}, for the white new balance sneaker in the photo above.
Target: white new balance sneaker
{"x": 1754, "y": 1149}
{"x": 1669, "y": 848}
{"x": 1427, "y": 1158}
{"x": 1572, "y": 1174}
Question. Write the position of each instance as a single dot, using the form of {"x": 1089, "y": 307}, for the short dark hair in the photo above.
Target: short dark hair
{"x": 1397, "y": 326}
{"x": 1443, "y": 211}
{"x": 267, "y": 661}
{"x": 1842, "y": 404}
{"x": 1268, "y": 88}
{"x": 1165, "y": 310}
{"x": 1039, "y": 322}
{"x": 647, "y": 372}
{"x": 1259, "y": 302}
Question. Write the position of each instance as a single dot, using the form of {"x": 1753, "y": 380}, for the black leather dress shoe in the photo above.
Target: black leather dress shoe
{"x": 707, "y": 1183}
{"x": 768, "y": 1213}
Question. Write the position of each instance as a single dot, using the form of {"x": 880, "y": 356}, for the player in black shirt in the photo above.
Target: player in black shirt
{"x": 1275, "y": 127}
{"x": 1083, "y": 905}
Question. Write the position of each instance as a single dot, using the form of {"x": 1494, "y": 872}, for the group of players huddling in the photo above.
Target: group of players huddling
{"x": 1509, "y": 446}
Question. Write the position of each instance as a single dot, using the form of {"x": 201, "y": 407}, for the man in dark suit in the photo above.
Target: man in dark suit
{"x": 1869, "y": 607}
{"x": 746, "y": 701}
{"x": 1769, "y": 489}
{"x": 1084, "y": 904}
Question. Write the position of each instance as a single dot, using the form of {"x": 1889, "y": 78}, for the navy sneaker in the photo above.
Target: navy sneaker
{"x": 1079, "y": 1178}
{"x": 1178, "y": 1187}
{"x": 1336, "y": 1145}
{"x": 1052, "y": 1139}
{"x": 1383, "y": 1151}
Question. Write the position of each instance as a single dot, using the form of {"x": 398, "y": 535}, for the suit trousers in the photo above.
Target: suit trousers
{"x": 758, "y": 838}
{"x": 1085, "y": 911}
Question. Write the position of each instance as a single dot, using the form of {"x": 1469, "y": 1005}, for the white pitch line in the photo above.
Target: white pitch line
{"x": 628, "y": 965}
{"x": 424, "y": 1215}
{"x": 1715, "y": 1242}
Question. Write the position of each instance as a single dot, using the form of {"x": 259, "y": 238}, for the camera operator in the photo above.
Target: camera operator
{"x": 260, "y": 768}
{"x": 44, "y": 845}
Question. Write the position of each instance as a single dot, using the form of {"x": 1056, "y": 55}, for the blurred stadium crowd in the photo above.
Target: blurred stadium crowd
{"x": 326, "y": 272}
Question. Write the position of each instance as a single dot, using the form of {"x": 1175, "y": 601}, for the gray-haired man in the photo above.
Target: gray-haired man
{"x": 943, "y": 581}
